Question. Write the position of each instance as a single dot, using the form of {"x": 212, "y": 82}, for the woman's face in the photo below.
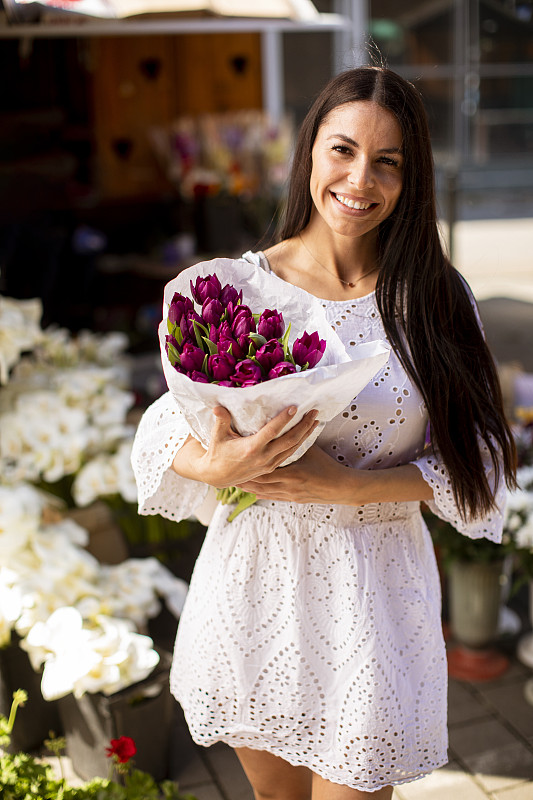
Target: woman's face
{"x": 357, "y": 160}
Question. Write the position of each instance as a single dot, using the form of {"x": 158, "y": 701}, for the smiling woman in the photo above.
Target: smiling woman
{"x": 311, "y": 637}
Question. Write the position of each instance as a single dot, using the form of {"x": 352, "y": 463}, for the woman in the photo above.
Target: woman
{"x": 311, "y": 640}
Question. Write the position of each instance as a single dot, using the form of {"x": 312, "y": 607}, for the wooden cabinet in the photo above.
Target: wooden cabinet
{"x": 141, "y": 82}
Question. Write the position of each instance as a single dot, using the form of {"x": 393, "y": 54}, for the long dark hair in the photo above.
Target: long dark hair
{"x": 426, "y": 309}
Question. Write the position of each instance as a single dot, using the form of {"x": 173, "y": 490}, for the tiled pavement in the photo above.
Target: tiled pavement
{"x": 491, "y": 750}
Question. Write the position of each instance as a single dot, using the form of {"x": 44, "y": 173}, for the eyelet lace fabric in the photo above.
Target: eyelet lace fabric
{"x": 314, "y": 631}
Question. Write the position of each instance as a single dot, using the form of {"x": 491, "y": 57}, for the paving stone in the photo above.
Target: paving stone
{"x": 185, "y": 762}
{"x": 463, "y": 706}
{"x": 492, "y": 753}
{"x": 509, "y": 700}
{"x": 206, "y": 791}
{"x": 443, "y": 784}
{"x": 229, "y": 772}
{"x": 522, "y": 792}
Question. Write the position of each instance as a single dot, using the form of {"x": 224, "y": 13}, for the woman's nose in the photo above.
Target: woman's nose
{"x": 361, "y": 176}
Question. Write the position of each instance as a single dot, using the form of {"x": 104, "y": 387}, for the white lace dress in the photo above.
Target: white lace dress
{"x": 314, "y": 631}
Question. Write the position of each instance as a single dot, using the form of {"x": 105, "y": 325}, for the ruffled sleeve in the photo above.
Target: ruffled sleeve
{"x": 435, "y": 474}
{"x": 161, "y": 432}
{"x": 443, "y": 504}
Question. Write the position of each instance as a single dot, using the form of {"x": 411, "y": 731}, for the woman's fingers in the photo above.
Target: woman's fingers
{"x": 222, "y": 427}
{"x": 285, "y": 445}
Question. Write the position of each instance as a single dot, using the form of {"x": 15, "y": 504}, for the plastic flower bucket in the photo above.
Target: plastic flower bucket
{"x": 143, "y": 711}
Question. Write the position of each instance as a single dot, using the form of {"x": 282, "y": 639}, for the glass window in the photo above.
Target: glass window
{"x": 438, "y": 100}
{"x": 505, "y": 31}
{"x": 413, "y": 31}
{"x": 503, "y": 124}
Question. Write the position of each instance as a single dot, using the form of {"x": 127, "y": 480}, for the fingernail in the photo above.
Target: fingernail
{"x": 292, "y": 411}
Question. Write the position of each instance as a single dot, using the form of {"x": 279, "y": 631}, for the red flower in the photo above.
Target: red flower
{"x": 123, "y": 748}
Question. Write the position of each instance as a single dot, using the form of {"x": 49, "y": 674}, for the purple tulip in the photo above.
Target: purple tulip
{"x": 179, "y": 368}
{"x": 271, "y": 324}
{"x": 283, "y": 368}
{"x": 212, "y": 310}
{"x": 226, "y": 383}
{"x": 227, "y": 342}
{"x": 221, "y": 366}
{"x": 308, "y": 349}
{"x": 270, "y": 354}
{"x": 171, "y": 340}
{"x": 186, "y": 324}
{"x": 229, "y": 294}
{"x": 205, "y": 288}
{"x": 247, "y": 373}
{"x": 198, "y": 377}
{"x": 243, "y": 322}
{"x": 179, "y": 306}
{"x": 192, "y": 358}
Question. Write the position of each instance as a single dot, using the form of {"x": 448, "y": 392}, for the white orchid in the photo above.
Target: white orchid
{"x": 106, "y": 657}
{"x": 19, "y": 331}
{"x": 10, "y": 608}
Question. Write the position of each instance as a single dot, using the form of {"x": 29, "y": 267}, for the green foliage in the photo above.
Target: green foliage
{"x": 23, "y": 777}
{"x": 454, "y": 546}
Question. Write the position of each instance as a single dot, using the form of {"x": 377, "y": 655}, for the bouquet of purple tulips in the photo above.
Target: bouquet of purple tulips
{"x": 218, "y": 349}
{"x": 228, "y": 344}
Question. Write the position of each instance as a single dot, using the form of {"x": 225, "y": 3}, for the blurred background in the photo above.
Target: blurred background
{"x": 108, "y": 186}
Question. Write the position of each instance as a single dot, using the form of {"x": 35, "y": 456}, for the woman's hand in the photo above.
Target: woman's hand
{"x": 314, "y": 478}
{"x": 232, "y": 459}
{"x": 318, "y": 478}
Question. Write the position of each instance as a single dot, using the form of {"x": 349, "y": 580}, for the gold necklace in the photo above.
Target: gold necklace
{"x": 351, "y": 284}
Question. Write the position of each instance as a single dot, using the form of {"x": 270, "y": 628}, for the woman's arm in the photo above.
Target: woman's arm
{"x": 318, "y": 478}
{"x": 232, "y": 459}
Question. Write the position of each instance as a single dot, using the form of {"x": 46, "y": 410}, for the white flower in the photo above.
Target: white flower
{"x": 103, "y": 658}
{"x": 19, "y": 331}
{"x": 10, "y": 610}
{"x": 524, "y": 536}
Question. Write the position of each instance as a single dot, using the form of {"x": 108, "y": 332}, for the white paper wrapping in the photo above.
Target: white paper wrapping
{"x": 328, "y": 387}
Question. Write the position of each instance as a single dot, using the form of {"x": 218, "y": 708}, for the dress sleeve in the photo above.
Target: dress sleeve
{"x": 161, "y": 432}
{"x": 443, "y": 504}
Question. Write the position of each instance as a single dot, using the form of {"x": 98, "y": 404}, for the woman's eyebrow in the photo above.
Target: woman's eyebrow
{"x": 349, "y": 140}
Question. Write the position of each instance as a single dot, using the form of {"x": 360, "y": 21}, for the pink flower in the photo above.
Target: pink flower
{"x": 308, "y": 349}
{"x": 198, "y": 377}
{"x": 243, "y": 322}
{"x": 205, "y": 288}
{"x": 229, "y": 294}
{"x": 192, "y": 358}
{"x": 221, "y": 366}
{"x": 283, "y": 368}
{"x": 271, "y": 324}
{"x": 179, "y": 306}
{"x": 212, "y": 310}
{"x": 247, "y": 373}
{"x": 270, "y": 354}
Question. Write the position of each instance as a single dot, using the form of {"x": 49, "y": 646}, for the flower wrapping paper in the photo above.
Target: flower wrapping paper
{"x": 328, "y": 387}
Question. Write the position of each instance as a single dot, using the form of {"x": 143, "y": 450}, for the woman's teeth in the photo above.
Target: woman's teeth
{"x": 352, "y": 203}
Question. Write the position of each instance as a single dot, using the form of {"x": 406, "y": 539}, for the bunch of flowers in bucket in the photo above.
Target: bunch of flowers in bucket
{"x": 220, "y": 346}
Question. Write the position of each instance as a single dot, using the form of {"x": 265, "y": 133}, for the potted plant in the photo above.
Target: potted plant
{"x": 475, "y": 572}
{"x": 23, "y": 775}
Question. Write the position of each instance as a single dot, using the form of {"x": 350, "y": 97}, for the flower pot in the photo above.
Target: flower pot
{"x": 37, "y": 717}
{"x": 143, "y": 711}
{"x": 475, "y": 598}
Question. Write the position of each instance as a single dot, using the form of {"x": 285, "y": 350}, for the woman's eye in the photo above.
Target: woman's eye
{"x": 341, "y": 148}
{"x": 389, "y": 162}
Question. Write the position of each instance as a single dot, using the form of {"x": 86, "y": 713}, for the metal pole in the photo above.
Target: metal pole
{"x": 272, "y": 74}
